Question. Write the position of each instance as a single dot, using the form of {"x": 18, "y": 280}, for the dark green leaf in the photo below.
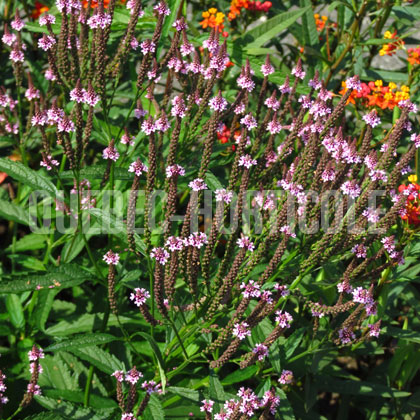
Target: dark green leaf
{"x": 15, "y": 310}
{"x": 268, "y": 30}
{"x": 187, "y": 393}
{"x": 240, "y": 375}
{"x": 33, "y": 179}
{"x": 43, "y": 307}
{"x": 103, "y": 360}
{"x": 85, "y": 340}
{"x": 67, "y": 275}
{"x": 11, "y": 211}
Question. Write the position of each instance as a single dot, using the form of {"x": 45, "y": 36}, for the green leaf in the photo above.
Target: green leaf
{"x": 75, "y": 412}
{"x": 45, "y": 416}
{"x": 167, "y": 24}
{"x": 389, "y": 76}
{"x": 57, "y": 374}
{"x": 360, "y": 388}
{"x": 103, "y": 360}
{"x": 187, "y": 393}
{"x": 29, "y": 242}
{"x": 85, "y": 340}
{"x": 33, "y": 179}
{"x": 268, "y": 30}
{"x": 309, "y": 26}
{"x": 240, "y": 375}
{"x": 285, "y": 408}
{"x": 97, "y": 172}
{"x": 337, "y": 3}
{"x": 411, "y": 336}
{"x": 64, "y": 276}
{"x": 293, "y": 341}
{"x": 15, "y": 311}
{"x": 28, "y": 261}
{"x": 43, "y": 307}
{"x": 107, "y": 221}
{"x": 213, "y": 182}
{"x": 158, "y": 354}
{"x": 375, "y": 41}
{"x": 85, "y": 323}
{"x": 154, "y": 409}
{"x": 95, "y": 401}
{"x": 217, "y": 393}
{"x": 11, "y": 211}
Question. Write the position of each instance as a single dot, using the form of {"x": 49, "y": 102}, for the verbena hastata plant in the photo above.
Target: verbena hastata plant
{"x": 288, "y": 237}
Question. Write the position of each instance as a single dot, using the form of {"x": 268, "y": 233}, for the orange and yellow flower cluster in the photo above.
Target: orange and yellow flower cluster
{"x": 95, "y": 3}
{"x": 412, "y": 207}
{"x": 257, "y": 6}
{"x": 39, "y": 10}
{"x": 414, "y": 56}
{"x": 213, "y": 19}
{"x": 320, "y": 21}
{"x": 375, "y": 94}
{"x": 392, "y": 47}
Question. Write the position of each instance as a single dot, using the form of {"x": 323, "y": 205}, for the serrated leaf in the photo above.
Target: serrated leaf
{"x": 272, "y": 27}
{"x": 43, "y": 307}
{"x": 103, "y": 360}
{"x": 293, "y": 341}
{"x": 97, "y": 172}
{"x": 33, "y": 179}
{"x": 67, "y": 275}
{"x": 11, "y": 211}
{"x": 213, "y": 182}
{"x": 29, "y": 242}
{"x": 375, "y": 74}
{"x": 15, "y": 311}
{"x": 360, "y": 388}
{"x": 85, "y": 340}
{"x": 154, "y": 409}
{"x": 95, "y": 401}
{"x": 44, "y": 416}
{"x": 167, "y": 24}
{"x": 73, "y": 411}
{"x": 240, "y": 375}
{"x": 84, "y": 323}
{"x": 107, "y": 222}
{"x": 56, "y": 374}
{"x": 407, "y": 335}
{"x": 187, "y": 393}
{"x": 309, "y": 26}
{"x": 217, "y": 393}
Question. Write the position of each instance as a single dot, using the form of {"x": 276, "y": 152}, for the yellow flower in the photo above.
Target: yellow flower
{"x": 387, "y": 35}
{"x": 379, "y": 83}
{"x": 206, "y": 14}
{"x": 392, "y": 85}
{"x": 412, "y": 178}
{"x": 219, "y": 18}
{"x": 213, "y": 11}
{"x": 405, "y": 88}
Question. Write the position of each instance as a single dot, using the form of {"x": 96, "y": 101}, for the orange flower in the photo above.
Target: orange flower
{"x": 411, "y": 212}
{"x": 213, "y": 19}
{"x": 320, "y": 22}
{"x": 235, "y": 8}
{"x": 39, "y": 10}
{"x": 392, "y": 47}
{"x": 374, "y": 94}
{"x": 414, "y": 56}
